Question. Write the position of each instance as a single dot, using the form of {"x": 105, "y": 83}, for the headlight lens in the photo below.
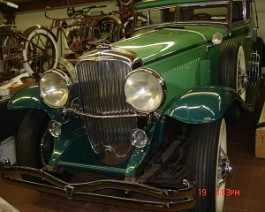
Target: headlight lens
{"x": 217, "y": 38}
{"x": 144, "y": 90}
{"x": 54, "y": 88}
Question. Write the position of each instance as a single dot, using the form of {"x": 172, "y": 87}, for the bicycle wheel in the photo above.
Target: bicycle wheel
{"x": 40, "y": 52}
{"x": 11, "y": 56}
{"x": 125, "y": 2}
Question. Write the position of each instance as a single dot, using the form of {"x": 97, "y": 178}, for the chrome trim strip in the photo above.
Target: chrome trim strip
{"x": 74, "y": 111}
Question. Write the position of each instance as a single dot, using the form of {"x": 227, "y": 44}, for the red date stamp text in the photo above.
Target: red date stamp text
{"x": 226, "y": 192}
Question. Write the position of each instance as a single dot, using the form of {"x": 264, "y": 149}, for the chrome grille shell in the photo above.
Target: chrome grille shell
{"x": 100, "y": 77}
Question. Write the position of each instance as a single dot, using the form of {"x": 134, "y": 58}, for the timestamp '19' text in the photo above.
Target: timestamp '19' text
{"x": 220, "y": 192}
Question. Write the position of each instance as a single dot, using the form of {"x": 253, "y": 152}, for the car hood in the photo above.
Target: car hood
{"x": 160, "y": 42}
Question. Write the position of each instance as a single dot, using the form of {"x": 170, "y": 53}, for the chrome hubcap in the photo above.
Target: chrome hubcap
{"x": 224, "y": 168}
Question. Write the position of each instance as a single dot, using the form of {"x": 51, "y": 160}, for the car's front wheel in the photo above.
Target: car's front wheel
{"x": 34, "y": 145}
{"x": 208, "y": 164}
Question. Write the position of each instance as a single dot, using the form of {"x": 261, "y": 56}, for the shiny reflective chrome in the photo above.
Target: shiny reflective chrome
{"x": 5, "y": 162}
{"x": 135, "y": 115}
{"x": 217, "y": 38}
{"x": 139, "y": 138}
{"x": 54, "y": 128}
{"x": 108, "y": 117}
{"x": 54, "y": 88}
{"x": 224, "y": 168}
{"x": 145, "y": 90}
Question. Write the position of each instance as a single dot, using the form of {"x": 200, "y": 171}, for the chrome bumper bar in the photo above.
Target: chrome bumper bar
{"x": 151, "y": 198}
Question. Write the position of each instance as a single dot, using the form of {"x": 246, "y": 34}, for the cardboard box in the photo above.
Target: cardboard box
{"x": 260, "y": 136}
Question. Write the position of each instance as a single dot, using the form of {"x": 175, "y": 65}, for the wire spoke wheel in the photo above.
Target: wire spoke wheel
{"x": 125, "y": 2}
{"x": 241, "y": 73}
{"x": 40, "y": 52}
{"x": 222, "y": 168}
{"x": 11, "y": 54}
{"x": 208, "y": 164}
{"x": 232, "y": 67}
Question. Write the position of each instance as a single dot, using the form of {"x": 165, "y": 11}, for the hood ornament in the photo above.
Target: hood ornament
{"x": 103, "y": 46}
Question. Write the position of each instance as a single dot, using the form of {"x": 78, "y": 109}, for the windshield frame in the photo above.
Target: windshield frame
{"x": 227, "y": 23}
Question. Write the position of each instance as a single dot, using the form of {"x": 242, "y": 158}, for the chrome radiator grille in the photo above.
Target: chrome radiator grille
{"x": 101, "y": 93}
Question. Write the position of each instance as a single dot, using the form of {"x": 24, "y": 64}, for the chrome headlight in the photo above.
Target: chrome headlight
{"x": 54, "y": 88}
{"x": 144, "y": 90}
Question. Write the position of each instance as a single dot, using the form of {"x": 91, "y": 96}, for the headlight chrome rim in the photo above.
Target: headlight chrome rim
{"x": 65, "y": 79}
{"x": 161, "y": 85}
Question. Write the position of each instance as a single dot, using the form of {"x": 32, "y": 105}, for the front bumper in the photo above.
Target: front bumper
{"x": 144, "y": 196}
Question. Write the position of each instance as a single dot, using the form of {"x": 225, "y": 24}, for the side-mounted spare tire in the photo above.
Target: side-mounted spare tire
{"x": 232, "y": 67}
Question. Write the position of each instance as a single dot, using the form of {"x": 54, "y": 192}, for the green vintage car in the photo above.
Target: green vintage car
{"x": 146, "y": 116}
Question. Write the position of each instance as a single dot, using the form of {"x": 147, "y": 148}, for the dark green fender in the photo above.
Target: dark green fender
{"x": 203, "y": 104}
{"x": 29, "y": 97}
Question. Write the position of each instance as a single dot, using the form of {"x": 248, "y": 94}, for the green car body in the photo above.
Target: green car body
{"x": 182, "y": 55}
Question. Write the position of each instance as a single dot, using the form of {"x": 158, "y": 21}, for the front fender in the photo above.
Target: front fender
{"x": 203, "y": 104}
{"x": 29, "y": 97}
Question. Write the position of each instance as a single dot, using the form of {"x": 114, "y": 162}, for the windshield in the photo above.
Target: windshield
{"x": 185, "y": 13}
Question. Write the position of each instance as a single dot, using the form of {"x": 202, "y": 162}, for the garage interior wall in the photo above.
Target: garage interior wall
{"x": 261, "y": 15}
{"x": 25, "y": 20}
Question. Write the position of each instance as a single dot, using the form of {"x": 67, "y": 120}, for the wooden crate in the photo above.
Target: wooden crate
{"x": 260, "y": 136}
